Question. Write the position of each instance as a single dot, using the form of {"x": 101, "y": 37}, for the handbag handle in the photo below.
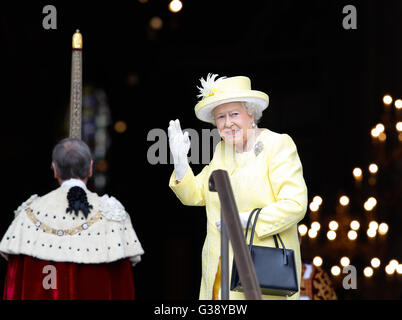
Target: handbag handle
{"x": 249, "y": 220}
{"x": 275, "y": 236}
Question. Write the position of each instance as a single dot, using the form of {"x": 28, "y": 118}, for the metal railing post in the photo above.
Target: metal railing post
{"x": 219, "y": 182}
{"x": 224, "y": 260}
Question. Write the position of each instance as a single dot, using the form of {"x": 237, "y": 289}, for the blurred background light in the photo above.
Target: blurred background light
{"x": 312, "y": 233}
{"x": 371, "y": 233}
{"x": 352, "y": 235}
{"x": 380, "y": 127}
{"x": 333, "y": 225}
{"x": 375, "y": 262}
{"x": 315, "y": 225}
{"x": 156, "y": 23}
{"x": 390, "y": 270}
{"x": 382, "y": 228}
{"x": 387, "y": 99}
{"x": 336, "y": 271}
{"x": 399, "y": 269}
{"x": 370, "y": 204}
{"x": 318, "y": 200}
{"x": 344, "y": 200}
{"x": 373, "y": 225}
{"x": 175, "y": 6}
{"x": 345, "y": 261}
{"x": 120, "y": 126}
{"x": 375, "y": 133}
{"x": 357, "y": 172}
{"x": 355, "y": 225}
{"x": 394, "y": 263}
{"x": 331, "y": 235}
{"x": 314, "y": 206}
{"x": 373, "y": 168}
{"x": 317, "y": 261}
{"x": 382, "y": 137}
{"x": 398, "y": 103}
{"x": 368, "y": 272}
{"x": 302, "y": 229}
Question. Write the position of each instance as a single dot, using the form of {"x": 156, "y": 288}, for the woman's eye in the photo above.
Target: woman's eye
{"x": 235, "y": 114}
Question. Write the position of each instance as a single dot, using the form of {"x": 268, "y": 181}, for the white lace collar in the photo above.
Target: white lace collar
{"x": 74, "y": 182}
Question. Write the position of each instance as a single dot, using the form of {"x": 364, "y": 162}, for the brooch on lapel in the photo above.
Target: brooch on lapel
{"x": 258, "y": 148}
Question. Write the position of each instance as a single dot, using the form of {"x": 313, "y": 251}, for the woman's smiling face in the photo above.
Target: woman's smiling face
{"x": 233, "y": 121}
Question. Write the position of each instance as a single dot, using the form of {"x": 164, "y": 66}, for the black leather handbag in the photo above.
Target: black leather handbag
{"x": 275, "y": 267}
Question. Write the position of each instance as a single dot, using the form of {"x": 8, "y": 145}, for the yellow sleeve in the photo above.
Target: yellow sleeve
{"x": 285, "y": 174}
{"x": 190, "y": 189}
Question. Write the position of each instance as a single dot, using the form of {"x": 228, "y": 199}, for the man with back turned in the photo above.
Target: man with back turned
{"x": 70, "y": 243}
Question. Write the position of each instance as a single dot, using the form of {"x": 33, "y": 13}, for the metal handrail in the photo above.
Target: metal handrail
{"x": 231, "y": 229}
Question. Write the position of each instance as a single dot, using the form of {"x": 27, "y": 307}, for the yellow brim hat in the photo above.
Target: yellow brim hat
{"x": 224, "y": 90}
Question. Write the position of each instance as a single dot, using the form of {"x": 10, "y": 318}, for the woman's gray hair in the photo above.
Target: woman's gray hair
{"x": 251, "y": 108}
{"x": 253, "y": 111}
{"x": 72, "y": 158}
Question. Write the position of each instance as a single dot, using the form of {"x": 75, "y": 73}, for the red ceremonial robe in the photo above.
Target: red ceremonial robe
{"x": 25, "y": 280}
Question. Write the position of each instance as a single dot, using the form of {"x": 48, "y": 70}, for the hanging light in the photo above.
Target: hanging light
{"x": 398, "y": 126}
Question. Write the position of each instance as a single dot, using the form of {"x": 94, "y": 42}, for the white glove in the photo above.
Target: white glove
{"x": 243, "y": 220}
{"x": 179, "y": 146}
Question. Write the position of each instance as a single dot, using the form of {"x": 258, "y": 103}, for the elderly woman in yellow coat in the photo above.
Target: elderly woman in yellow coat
{"x": 264, "y": 170}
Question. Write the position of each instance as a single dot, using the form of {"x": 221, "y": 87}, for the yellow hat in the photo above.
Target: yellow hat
{"x": 223, "y": 90}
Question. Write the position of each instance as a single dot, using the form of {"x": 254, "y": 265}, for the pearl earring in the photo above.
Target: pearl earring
{"x": 253, "y": 125}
